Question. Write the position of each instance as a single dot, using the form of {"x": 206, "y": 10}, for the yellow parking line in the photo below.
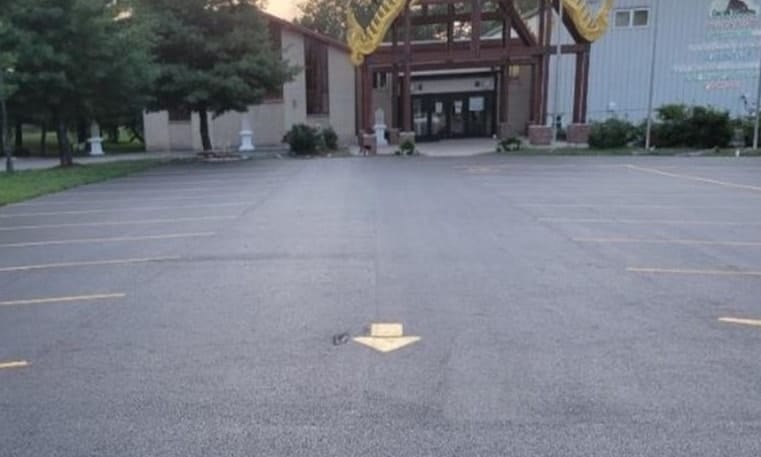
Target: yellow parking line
{"x": 16, "y": 364}
{"x": 72, "y": 201}
{"x": 117, "y": 223}
{"x": 732, "y": 320}
{"x": 86, "y": 264}
{"x": 43, "y": 301}
{"x": 667, "y": 241}
{"x": 107, "y": 240}
{"x": 679, "y": 271}
{"x": 645, "y": 221}
{"x": 732, "y": 185}
{"x": 121, "y": 210}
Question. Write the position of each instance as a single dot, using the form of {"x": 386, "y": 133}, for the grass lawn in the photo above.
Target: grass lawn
{"x": 24, "y": 185}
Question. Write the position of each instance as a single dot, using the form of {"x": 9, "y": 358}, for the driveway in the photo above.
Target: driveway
{"x": 565, "y": 307}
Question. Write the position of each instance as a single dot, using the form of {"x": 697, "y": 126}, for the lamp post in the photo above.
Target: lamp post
{"x": 4, "y": 125}
{"x": 651, "y": 97}
{"x": 758, "y": 110}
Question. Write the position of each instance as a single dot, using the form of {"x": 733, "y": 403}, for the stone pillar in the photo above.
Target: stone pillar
{"x": 540, "y": 135}
{"x": 578, "y": 133}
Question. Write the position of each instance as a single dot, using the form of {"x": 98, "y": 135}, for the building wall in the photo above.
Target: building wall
{"x": 156, "y": 127}
{"x": 294, "y": 92}
{"x": 519, "y": 101}
{"x": 620, "y": 65}
{"x": 269, "y": 120}
{"x": 342, "y": 95}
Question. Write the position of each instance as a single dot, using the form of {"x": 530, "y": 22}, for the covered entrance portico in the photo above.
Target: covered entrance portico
{"x": 410, "y": 39}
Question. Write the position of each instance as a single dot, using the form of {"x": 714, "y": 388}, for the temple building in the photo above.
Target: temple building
{"x": 445, "y": 69}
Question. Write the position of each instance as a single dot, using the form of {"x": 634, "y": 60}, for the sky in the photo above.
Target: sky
{"x": 282, "y": 8}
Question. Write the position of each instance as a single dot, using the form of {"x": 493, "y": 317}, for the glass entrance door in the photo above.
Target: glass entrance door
{"x": 442, "y": 116}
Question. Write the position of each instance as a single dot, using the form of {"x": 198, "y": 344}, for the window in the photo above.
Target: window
{"x": 317, "y": 77}
{"x": 641, "y": 18}
{"x": 623, "y": 18}
{"x": 514, "y": 72}
{"x": 380, "y": 80}
{"x": 632, "y": 18}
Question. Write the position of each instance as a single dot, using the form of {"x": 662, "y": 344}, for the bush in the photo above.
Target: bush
{"x": 330, "y": 139}
{"x": 697, "y": 126}
{"x": 303, "y": 139}
{"x": 510, "y": 144}
{"x": 613, "y": 133}
{"x": 407, "y": 148}
{"x": 745, "y": 126}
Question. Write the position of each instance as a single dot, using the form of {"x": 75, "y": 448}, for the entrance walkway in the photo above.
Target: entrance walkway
{"x": 448, "y": 148}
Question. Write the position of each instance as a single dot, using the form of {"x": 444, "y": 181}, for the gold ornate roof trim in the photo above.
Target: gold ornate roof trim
{"x": 364, "y": 42}
{"x": 590, "y": 28}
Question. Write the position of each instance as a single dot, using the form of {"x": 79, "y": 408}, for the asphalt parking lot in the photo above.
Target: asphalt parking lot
{"x": 565, "y": 307}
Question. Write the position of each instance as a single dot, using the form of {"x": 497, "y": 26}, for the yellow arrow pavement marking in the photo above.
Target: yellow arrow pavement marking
{"x": 679, "y": 271}
{"x": 732, "y": 320}
{"x": 16, "y": 364}
{"x": 86, "y": 264}
{"x": 108, "y": 240}
{"x": 42, "y": 301}
{"x": 387, "y": 337}
{"x": 716, "y": 182}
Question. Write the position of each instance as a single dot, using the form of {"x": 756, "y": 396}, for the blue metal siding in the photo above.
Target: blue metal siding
{"x": 620, "y": 62}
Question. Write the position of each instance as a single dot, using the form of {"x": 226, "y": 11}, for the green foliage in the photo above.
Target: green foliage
{"x": 407, "y": 148}
{"x": 510, "y": 144}
{"x": 76, "y": 60}
{"x": 696, "y": 126}
{"x": 303, "y": 139}
{"x": 329, "y": 139}
{"x": 329, "y": 18}
{"x": 744, "y": 126}
{"x": 214, "y": 56}
{"x": 612, "y": 133}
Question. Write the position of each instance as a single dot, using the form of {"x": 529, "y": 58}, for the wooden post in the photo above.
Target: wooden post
{"x": 504, "y": 97}
{"x": 585, "y": 88}
{"x": 578, "y": 88}
{"x": 367, "y": 99}
{"x": 407, "y": 91}
{"x": 475, "y": 21}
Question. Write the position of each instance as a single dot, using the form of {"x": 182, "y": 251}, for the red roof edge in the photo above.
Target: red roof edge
{"x": 300, "y": 29}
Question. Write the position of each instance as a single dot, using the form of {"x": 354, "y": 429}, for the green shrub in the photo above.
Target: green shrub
{"x": 709, "y": 128}
{"x": 697, "y": 126}
{"x": 510, "y": 144}
{"x": 745, "y": 126}
{"x": 407, "y": 148}
{"x": 612, "y": 133}
{"x": 330, "y": 139}
{"x": 303, "y": 139}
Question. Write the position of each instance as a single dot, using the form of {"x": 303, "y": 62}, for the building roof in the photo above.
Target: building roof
{"x": 301, "y": 30}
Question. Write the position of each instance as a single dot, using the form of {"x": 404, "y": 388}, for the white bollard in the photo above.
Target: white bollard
{"x": 246, "y": 135}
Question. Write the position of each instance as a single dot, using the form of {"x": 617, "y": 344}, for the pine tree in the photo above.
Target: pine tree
{"x": 214, "y": 56}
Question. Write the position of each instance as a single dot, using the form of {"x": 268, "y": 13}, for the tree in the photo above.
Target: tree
{"x": 215, "y": 56}
{"x": 77, "y": 59}
{"x": 7, "y": 41}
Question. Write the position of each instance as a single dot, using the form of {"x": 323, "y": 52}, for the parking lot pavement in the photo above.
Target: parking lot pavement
{"x": 565, "y": 306}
